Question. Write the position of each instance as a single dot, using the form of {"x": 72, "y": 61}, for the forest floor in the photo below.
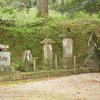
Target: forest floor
{"x": 75, "y": 87}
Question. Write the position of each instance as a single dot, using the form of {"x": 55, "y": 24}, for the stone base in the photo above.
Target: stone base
{"x": 92, "y": 62}
{"x": 48, "y": 62}
{"x": 6, "y": 70}
{"x": 27, "y": 66}
{"x": 67, "y": 63}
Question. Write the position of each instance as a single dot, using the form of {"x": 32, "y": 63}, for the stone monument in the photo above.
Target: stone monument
{"x": 92, "y": 59}
{"x": 67, "y": 41}
{"x": 5, "y": 60}
{"x": 48, "y": 51}
{"x": 27, "y": 63}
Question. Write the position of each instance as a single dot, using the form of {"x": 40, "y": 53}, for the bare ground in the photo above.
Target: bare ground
{"x": 75, "y": 87}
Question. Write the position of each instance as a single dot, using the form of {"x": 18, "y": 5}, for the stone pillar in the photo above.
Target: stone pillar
{"x": 67, "y": 47}
{"x": 48, "y": 51}
{"x": 67, "y": 60}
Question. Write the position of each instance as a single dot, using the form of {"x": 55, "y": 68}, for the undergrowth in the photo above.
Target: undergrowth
{"x": 27, "y": 16}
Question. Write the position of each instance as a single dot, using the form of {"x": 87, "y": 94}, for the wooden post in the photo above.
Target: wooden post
{"x": 74, "y": 62}
{"x": 56, "y": 62}
{"x": 34, "y": 64}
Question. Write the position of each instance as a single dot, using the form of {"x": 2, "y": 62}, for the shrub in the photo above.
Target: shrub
{"x": 2, "y": 3}
{"x": 18, "y": 5}
{"x": 7, "y": 9}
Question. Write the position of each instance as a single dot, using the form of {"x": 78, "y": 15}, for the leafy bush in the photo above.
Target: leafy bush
{"x": 18, "y": 5}
{"x": 82, "y": 15}
{"x": 7, "y": 9}
{"x": 59, "y": 7}
{"x": 26, "y": 16}
{"x": 2, "y": 3}
{"x": 72, "y": 6}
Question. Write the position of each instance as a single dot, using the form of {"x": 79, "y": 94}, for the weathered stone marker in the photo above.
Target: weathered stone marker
{"x": 5, "y": 60}
{"x": 93, "y": 58}
{"x": 4, "y": 55}
{"x": 27, "y": 62}
{"x": 48, "y": 51}
{"x": 67, "y": 48}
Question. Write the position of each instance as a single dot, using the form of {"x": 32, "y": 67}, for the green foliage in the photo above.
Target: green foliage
{"x": 18, "y": 5}
{"x": 72, "y": 6}
{"x": 26, "y": 16}
{"x": 29, "y": 3}
{"x": 2, "y": 3}
{"x": 21, "y": 39}
{"x": 22, "y": 17}
{"x": 7, "y": 9}
{"x": 21, "y": 3}
{"x": 28, "y": 31}
{"x": 82, "y": 15}
{"x": 58, "y": 7}
{"x": 90, "y": 6}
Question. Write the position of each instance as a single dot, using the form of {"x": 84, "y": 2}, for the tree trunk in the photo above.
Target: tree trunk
{"x": 42, "y": 6}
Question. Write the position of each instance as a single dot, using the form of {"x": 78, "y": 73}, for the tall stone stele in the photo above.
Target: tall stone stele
{"x": 67, "y": 41}
{"x": 48, "y": 51}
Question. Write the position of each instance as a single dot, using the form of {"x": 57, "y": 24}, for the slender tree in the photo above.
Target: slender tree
{"x": 42, "y": 6}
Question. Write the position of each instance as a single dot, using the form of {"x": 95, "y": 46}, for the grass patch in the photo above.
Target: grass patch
{"x": 24, "y": 81}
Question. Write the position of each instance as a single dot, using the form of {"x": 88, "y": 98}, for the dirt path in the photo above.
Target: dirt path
{"x": 75, "y": 87}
